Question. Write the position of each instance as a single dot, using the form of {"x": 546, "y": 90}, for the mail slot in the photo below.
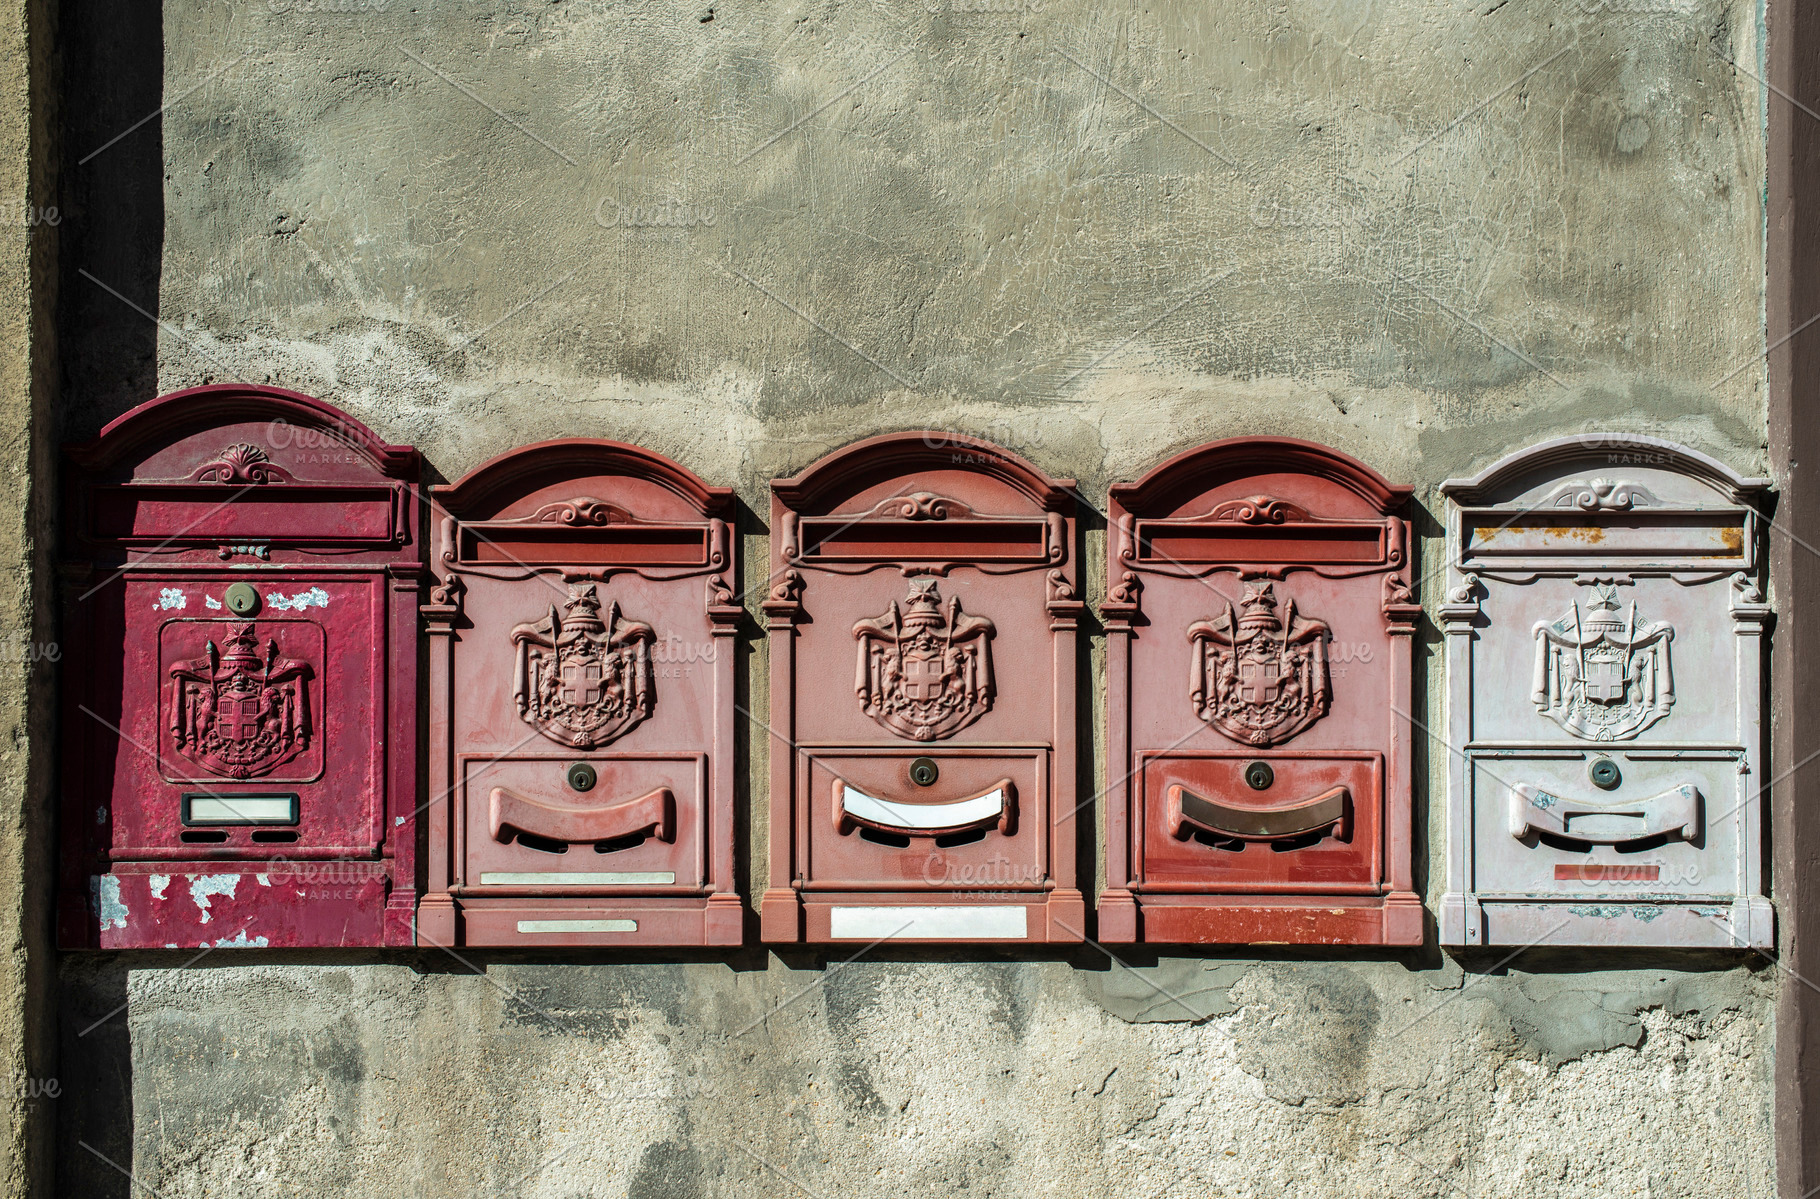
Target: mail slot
{"x": 1260, "y": 618}
{"x": 241, "y": 569}
{"x": 922, "y": 615}
{"x": 1604, "y": 623}
{"x": 581, "y": 703}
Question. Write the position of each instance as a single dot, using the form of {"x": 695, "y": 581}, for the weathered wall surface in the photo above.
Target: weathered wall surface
{"x": 745, "y": 233}
{"x": 28, "y": 377}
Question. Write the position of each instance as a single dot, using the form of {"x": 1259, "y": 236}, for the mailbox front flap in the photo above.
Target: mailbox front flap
{"x": 242, "y": 474}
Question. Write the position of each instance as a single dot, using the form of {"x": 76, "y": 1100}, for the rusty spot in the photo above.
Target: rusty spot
{"x": 1586, "y": 534}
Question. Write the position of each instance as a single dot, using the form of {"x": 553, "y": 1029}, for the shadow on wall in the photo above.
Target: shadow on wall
{"x": 112, "y": 241}
{"x": 95, "y": 1068}
{"x": 112, "y": 233}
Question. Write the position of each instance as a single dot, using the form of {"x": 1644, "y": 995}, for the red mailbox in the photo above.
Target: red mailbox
{"x": 241, "y": 576}
{"x": 581, "y": 703}
{"x": 1260, "y": 631}
{"x": 922, "y": 618}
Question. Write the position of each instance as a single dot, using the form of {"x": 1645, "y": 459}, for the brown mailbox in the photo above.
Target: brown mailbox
{"x": 239, "y": 726}
{"x": 581, "y": 703}
{"x": 1259, "y": 625}
{"x": 922, "y": 617}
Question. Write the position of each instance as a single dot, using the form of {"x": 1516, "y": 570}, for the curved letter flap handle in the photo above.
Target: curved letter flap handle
{"x": 510, "y": 813}
{"x": 1673, "y": 813}
{"x": 995, "y": 807}
{"x": 1188, "y": 812}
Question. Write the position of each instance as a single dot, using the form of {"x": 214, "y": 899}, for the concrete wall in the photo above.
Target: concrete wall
{"x": 29, "y": 219}
{"x": 745, "y": 233}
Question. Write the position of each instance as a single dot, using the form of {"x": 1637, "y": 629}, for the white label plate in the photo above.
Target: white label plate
{"x": 556, "y": 878}
{"x": 578, "y": 926}
{"x": 971, "y": 923}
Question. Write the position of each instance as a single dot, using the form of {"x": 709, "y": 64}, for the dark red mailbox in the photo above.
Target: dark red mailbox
{"x": 581, "y": 703}
{"x": 1260, "y": 631}
{"x": 241, "y": 576}
{"x": 922, "y": 618}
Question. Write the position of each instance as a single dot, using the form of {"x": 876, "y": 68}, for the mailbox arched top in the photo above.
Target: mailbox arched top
{"x": 852, "y": 469}
{"x": 1194, "y": 472}
{"x": 1608, "y": 454}
{"x": 137, "y": 436}
{"x": 506, "y": 478}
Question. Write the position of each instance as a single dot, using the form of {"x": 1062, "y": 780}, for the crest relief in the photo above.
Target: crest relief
{"x": 925, "y": 671}
{"x": 1602, "y": 673}
{"x": 241, "y": 710}
{"x": 1258, "y": 676}
{"x": 583, "y": 678}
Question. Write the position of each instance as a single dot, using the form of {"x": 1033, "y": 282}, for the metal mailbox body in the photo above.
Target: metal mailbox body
{"x": 922, "y": 620}
{"x": 241, "y": 571}
{"x": 581, "y": 703}
{"x": 1604, "y": 625}
{"x": 1259, "y": 652}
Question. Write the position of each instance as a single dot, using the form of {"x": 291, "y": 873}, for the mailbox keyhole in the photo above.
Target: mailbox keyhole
{"x": 924, "y": 772}
{"x": 1259, "y": 776}
{"x": 242, "y": 599}
{"x": 582, "y": 777}
{"x": 1605, "y": 774}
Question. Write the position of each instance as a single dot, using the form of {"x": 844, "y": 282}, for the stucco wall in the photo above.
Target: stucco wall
{"x": 1424, "y": 233}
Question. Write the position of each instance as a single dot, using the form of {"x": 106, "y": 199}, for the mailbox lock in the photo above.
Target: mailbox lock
{"x": 242, "y": 600}
{"x": 1259, "y": 776}
{"x": 924, "y": 772}
{"x": 1605, "y": 774}
{"x": 582, "y": 777}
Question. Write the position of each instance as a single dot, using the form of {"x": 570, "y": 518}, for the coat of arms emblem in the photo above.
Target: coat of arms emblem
{"x": 1603, "y": 674}
{"x": 925, "y": 671}
{"x": 583, "y": 678}
{"x": 1257, "y": 676}
{"x": 241, "y": 710}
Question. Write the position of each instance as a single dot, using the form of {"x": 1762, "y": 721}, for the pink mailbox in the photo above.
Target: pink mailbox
{"x": 581, "y": 703}
{"x": 922, "y": 618}
{"x": 1260, "y": 623}
{"x": 241, "y": 577}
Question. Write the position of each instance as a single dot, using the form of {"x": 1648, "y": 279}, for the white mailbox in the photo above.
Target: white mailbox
{"x": 1604, "y": 620}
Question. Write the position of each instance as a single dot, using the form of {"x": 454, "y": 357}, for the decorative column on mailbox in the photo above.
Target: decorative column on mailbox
{"x": 1260, "y": 625}
{"x": 241, "y": 571}
{"x": 581, "y": 703}
{"x": 1604, "y": 623}
{"x": 922, "y": 621}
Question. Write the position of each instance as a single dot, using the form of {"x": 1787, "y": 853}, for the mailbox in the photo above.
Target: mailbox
{"x": 922, "y": 619}
{"x": 581, "y": 703}
{"x": 1259, "y": 622}
{"x": 241, "y": 570}
{"x": 1604, "y": 621}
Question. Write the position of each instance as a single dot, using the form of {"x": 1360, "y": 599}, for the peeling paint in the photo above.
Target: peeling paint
{"x": 171, "y": 597}
{"x": 157, "y": 885}
{"x": 108, "y": 908}
{"x": 204, "y": 885}
{"x": 238, "y": 941}
{"x": 315, "y": 597}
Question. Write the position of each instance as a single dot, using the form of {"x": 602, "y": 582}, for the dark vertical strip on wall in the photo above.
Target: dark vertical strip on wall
{"x": 1793, "y": 265}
